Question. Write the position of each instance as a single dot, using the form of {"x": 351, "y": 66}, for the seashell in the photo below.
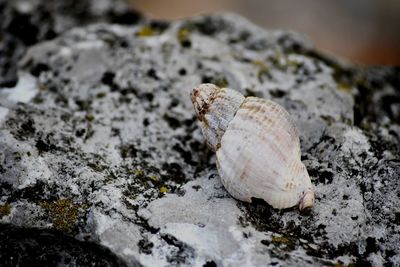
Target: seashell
{"x": 257, "y": 147}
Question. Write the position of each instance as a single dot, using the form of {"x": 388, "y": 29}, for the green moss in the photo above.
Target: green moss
{"x": 64, "y": 213}
{"x": 5, "y": 210}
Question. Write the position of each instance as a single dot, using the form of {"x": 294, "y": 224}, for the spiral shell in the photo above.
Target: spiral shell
{"x": 257, "y": 147}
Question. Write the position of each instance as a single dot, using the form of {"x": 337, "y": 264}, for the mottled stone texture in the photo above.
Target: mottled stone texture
{"x": 105, "y": 146}
{"x": 27, "y": 22}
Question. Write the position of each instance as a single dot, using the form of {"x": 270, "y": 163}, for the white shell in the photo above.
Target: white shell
{"x": 257, "y": 147}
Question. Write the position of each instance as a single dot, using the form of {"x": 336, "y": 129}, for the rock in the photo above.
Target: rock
{"x": 27, "y": 22}
{"x": 103, "y": 145}
{"x": 20, "y": 246}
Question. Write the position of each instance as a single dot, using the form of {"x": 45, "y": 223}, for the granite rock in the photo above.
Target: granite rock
{"x": 99, "y": 141}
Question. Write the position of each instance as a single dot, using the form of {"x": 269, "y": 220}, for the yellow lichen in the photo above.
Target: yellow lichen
{"x": 146, "y": 31}
{"x": 139, "y": 173}
{"x": 163, "y": 189}
{"x": 344, "y": 87}
{"x": 262, "y": 69}
{"x": 5, "y": 210}
{"x": 278, "y": 240}
{"x": 183, "y": 35}
{"x": 64, "y": 213}
{"x": 153, "y": 178}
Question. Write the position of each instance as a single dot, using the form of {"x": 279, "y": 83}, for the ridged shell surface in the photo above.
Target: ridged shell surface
{"x": 215, "y": 108}
{"x": 259, "y": 156}
{"x": 257, "y": 147}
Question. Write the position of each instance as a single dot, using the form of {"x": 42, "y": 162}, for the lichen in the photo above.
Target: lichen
{"x": 146, "y": 31}
{"x": 344, "y": 87}
{"x": 277, "y": 61}
{"x": 148, "y": 143}
{"x": 280, "y": 240}
{"x": 153, "y": 178}
{"x": 222, "y": 83}
{"x": 138, "y": 173}
{"x": 64, "y": 213}
{"x": 101, "y": 95}
{"x": 294, "y": 64}
{"x": 183, "y": 35}
{"x": 144, "y": 177}
{"x": 163, "y": 189}
{"x": 17, "y": 156}
{"x": 263, "y": 70}
{"x": 89, "y": 117}
{"x": 5, "y": 210}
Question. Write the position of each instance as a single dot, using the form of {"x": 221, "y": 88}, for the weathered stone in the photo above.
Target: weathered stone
{"x": 26, "y": 22}
{"x": 108, "y": 142}
{"x": 28, "y": 247}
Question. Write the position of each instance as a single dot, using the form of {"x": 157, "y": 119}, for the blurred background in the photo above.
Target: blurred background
{"x": 362, "y": 31}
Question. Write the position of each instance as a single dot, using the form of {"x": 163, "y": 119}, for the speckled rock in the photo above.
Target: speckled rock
{"x": 101, "y": 143}
{"x": 26, "y": 22}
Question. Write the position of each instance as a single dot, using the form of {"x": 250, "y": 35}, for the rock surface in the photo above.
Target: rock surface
{"x": 27, "y": 22}
{"x": 98, "y": 140}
